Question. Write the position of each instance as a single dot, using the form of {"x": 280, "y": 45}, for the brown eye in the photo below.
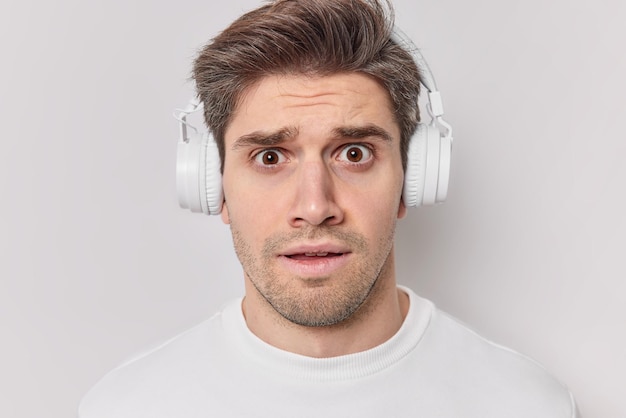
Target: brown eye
{"x": 269, "y": 157}
{"x": 355, "y": 154}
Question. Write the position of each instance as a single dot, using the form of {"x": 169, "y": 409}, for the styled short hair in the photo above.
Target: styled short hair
{"x": 309, "y": 37}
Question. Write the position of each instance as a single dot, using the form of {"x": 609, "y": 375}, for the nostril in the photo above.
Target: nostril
{"x": 315, "y": 221}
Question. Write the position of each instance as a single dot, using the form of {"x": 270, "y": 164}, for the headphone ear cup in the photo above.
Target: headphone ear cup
{"x": 427, "y": 169}
{"x": 413, "y": 190}
{"x": 431, "y": 178}
{"x": 187, "y": 173}
{"x": 445, "y": 157}
{"x": 198, "y": 176}
{"x": 214, "y": 194}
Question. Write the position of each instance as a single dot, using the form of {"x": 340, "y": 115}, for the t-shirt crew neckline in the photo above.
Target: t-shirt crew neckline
{"x": 346, "y": 367}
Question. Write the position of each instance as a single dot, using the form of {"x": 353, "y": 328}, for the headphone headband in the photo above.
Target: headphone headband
{"x": 435, "y": 104}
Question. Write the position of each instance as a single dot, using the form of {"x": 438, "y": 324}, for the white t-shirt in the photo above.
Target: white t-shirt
{"x": 432, "y": 367}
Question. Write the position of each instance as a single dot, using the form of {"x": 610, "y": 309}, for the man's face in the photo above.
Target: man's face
{"x": 312, "y": 183}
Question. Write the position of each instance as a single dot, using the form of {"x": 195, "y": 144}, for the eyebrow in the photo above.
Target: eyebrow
{"x": 265, "y": 139}
{"x": 359, "y": 132}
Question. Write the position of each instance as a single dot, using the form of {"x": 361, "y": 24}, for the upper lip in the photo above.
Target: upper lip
{"x": 321, "y": 248}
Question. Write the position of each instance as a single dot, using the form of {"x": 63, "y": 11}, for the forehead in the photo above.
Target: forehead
{"x": 278, "y": 101}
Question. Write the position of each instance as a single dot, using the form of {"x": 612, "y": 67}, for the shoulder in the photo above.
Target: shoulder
{"x": 138, "y": 385}
{"x": 487, "y": 373}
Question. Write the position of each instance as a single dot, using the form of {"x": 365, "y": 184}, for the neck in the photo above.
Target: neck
{"x": 377, "y": 319}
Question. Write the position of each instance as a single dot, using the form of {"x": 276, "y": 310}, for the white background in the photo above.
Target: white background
{"x": 97, "y": 261}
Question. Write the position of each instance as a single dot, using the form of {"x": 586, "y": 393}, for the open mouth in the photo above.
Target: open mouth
{"x": 315, "y": 262}
{"x": 313, "y": 256}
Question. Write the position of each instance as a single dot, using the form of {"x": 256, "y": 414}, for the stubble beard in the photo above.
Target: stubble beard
{"x": 319, "y": 302}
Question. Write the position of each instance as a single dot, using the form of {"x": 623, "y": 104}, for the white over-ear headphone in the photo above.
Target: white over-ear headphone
{"x": 198, "y": 171}
{"x": 199, "y": 180}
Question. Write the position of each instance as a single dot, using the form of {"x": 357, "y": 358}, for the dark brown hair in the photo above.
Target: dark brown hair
{"x": 312, "y": 37}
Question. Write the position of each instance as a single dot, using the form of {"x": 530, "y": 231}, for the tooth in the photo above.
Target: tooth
{"x": 316, "y": 254}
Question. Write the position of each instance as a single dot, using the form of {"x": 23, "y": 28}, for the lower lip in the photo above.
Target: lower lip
{"x": 314, "y": 266}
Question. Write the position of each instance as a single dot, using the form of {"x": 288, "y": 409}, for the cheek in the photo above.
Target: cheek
{"x": 251, "y": 215}
{"x": 380, "y": 201}
{"x": 377, "y": 216}
{"x": 252, "y": 198}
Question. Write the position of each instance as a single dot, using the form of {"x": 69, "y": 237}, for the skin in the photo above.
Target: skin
{"x": 312, "y": 183}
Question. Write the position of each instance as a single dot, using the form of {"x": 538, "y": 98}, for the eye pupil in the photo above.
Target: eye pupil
{"x": 355, "y": 154}
{"x": 270, "y": 158}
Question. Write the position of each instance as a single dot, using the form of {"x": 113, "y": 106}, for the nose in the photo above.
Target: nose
{"x": 314, "y": 197}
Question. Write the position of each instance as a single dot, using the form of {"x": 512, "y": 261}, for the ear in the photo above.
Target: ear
{"x": 224, "y": 214}
{"x": 401, "y": 209}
